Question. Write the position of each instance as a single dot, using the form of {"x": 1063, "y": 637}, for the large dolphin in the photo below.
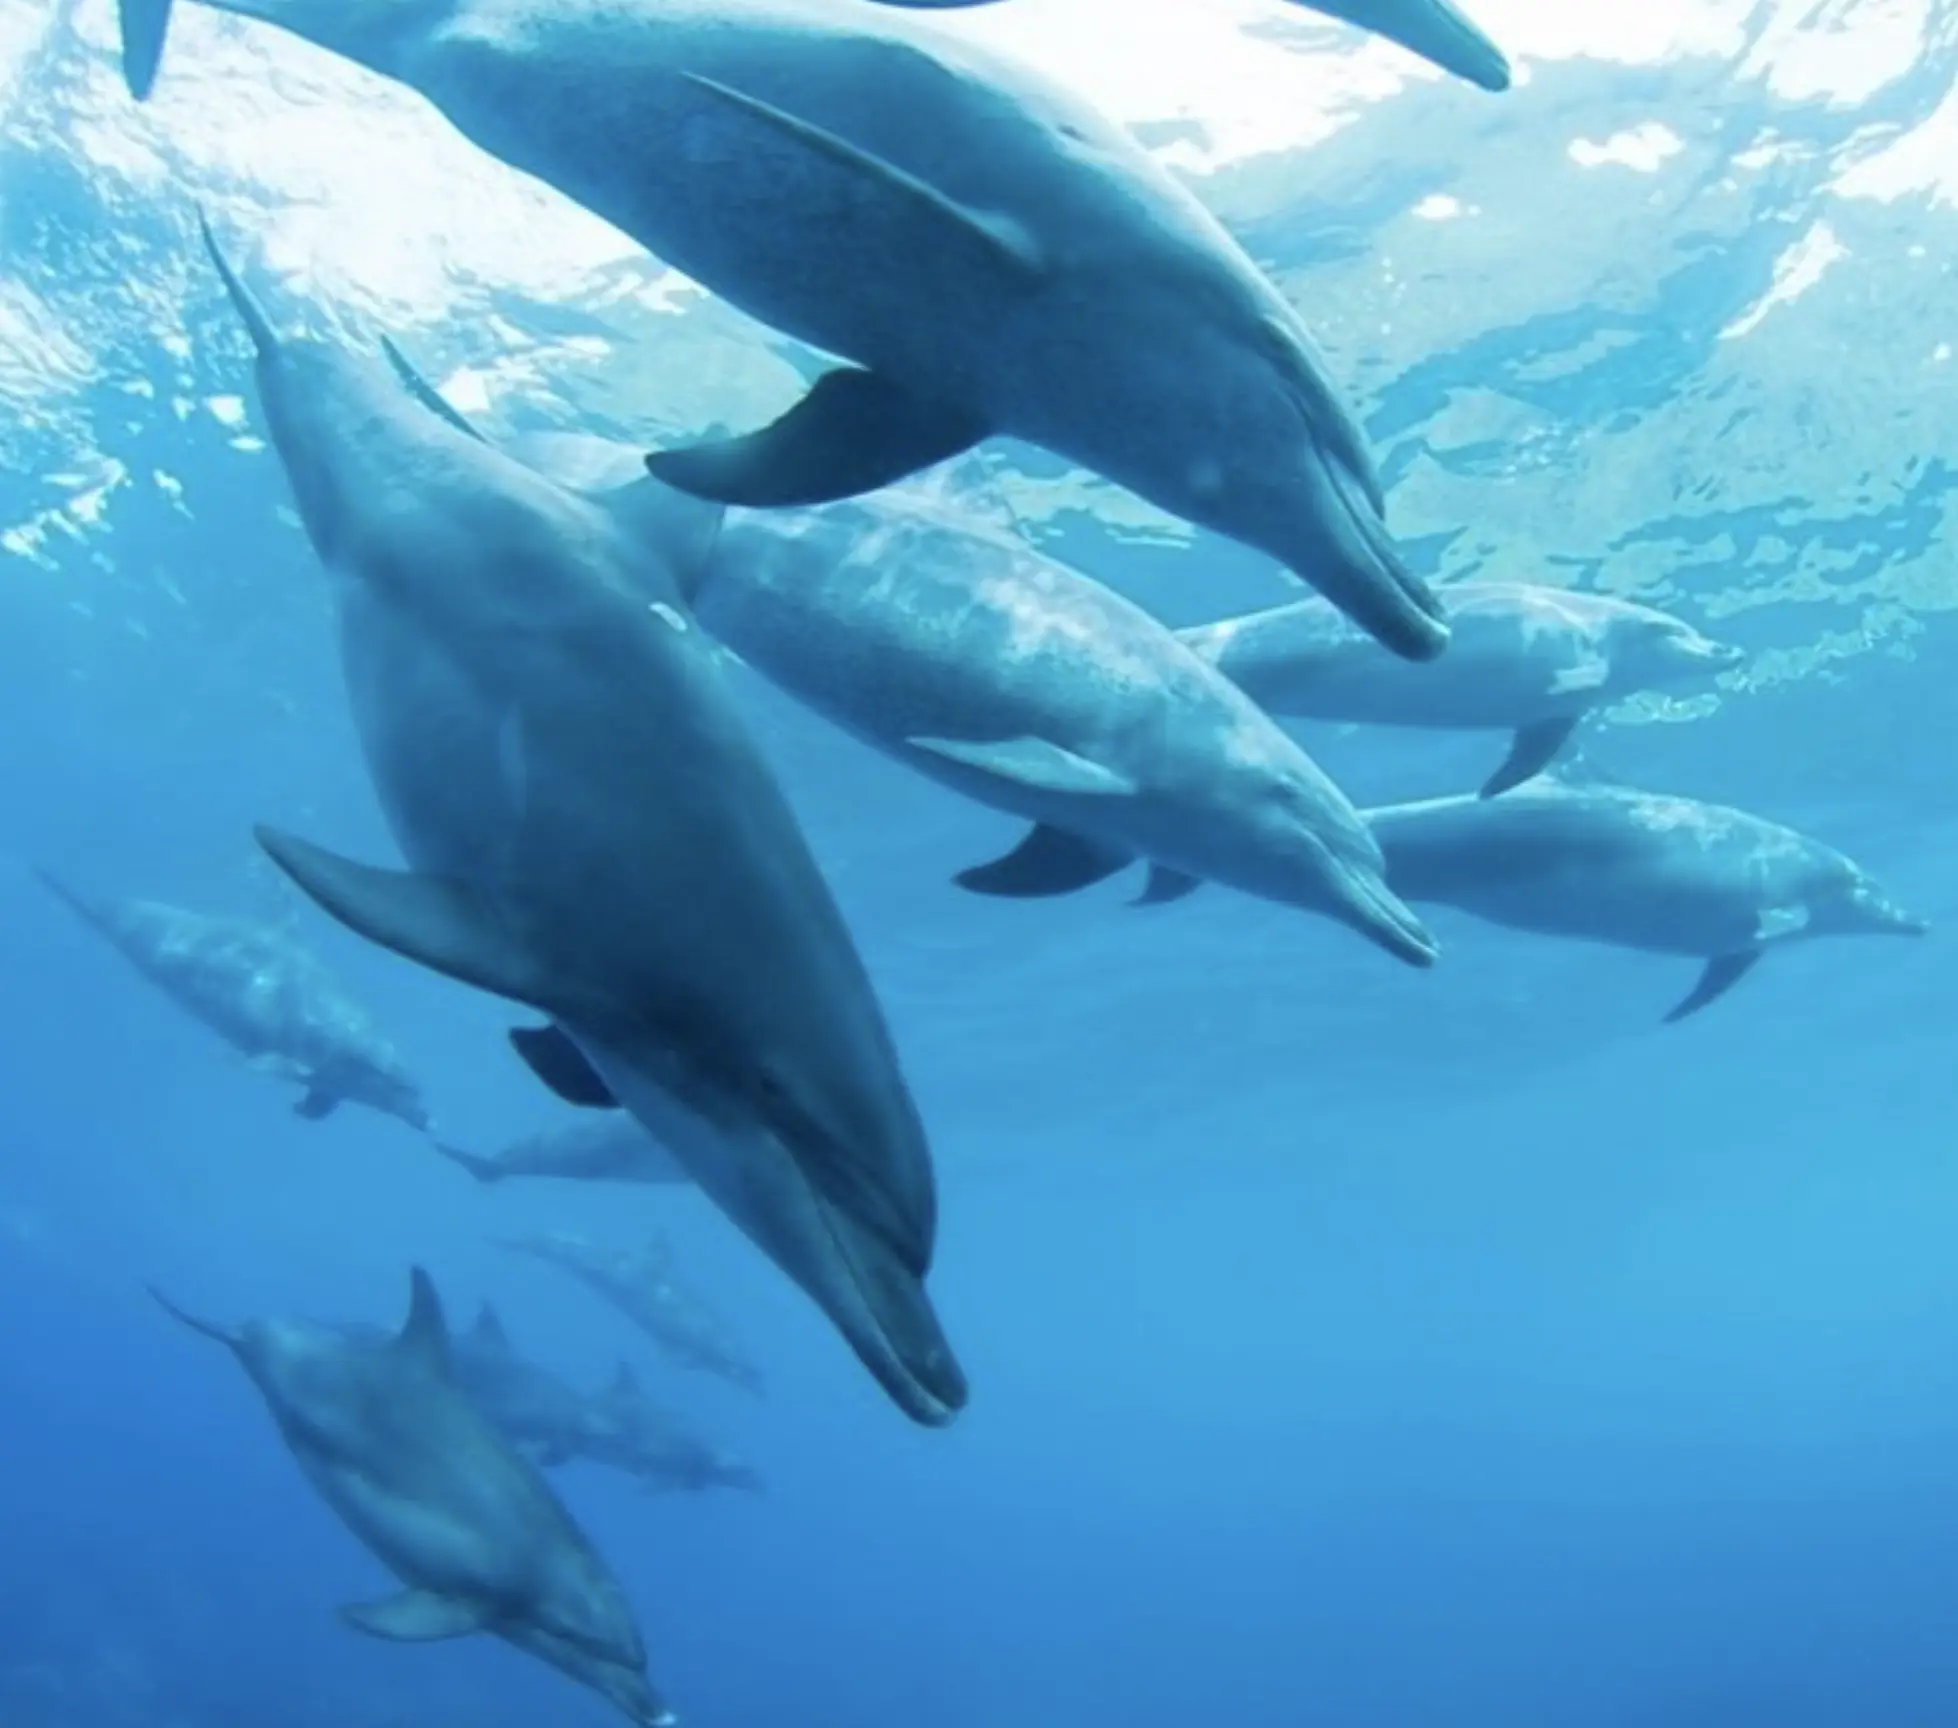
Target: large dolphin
{"x": 1522, "y": 658}
{"x": 644, "y": 1285}
{"x": 589, "y": 1149}
{"x": 1637, "y": 870}
{"x": 390, "y": 1441}
{"x": 592, "y": 832}
{"x": 986, "y": 251}
{"x": 261, "y": 992}
{"x": 960, "y": 651}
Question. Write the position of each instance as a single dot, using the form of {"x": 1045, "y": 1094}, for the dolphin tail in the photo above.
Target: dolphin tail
{"x": 209, "y": 1328}
{"x": 143, "y": 25}
{"x": 483, "y": 1169}
{"x": 264, "y": 338}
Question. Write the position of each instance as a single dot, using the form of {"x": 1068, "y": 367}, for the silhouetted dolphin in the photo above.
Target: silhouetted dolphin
{"x": 414, "y": 1469}
{"x": 988, "y": 252}
{"x": 593, "y": 832}
{"x": 264, "y": 995}
{"x": 1637, "y": 870}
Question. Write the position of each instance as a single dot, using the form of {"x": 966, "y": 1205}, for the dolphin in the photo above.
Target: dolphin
{"x": 1525, "y": 659}
{"x": 983, "y": 251}
{"x": 635, "y": 1433}
{"x": 391, "y": 1442}
{"x": 1636, "y": 870}
{"x": 590, "y": 1149}
{"x": 592, "y": 832}
{"x": 644, "y": 1286}
{"x": 263, "y": 994}
{"x": 1013, "y": 679}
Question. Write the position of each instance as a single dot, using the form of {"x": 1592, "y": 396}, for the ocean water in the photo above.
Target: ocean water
{"x": 1349, "y": 1346}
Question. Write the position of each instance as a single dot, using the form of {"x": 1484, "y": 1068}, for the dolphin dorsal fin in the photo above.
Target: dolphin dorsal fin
{"x": 264, "y": 338}
{"x": 425, "y": 1335}
{"x": 426, "y": 394}
{"x": 489, "y": 1330}
{"x": 625, "y": 1383}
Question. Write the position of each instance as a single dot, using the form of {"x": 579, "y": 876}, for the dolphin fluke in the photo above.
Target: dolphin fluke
{"x": 144, "y": 24}
{"x": 264, "y": 338}
{"x": 209, "y": 1328}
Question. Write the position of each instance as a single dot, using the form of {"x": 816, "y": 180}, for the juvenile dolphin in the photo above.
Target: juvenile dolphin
{"x": 592, "y": 832}
{"x": 263, "y": 994}
{"x": 987, "y": 252}
{"x": 1015, "y": 680}
{"x": 591, "y": 1149}
{"x": 1636, "y": 870}
{"x": 635, "y": 1433}
{"x": 644, "y": 1286}
{"x": 421, "y": 1476}
{"x": 1522, "y": 658}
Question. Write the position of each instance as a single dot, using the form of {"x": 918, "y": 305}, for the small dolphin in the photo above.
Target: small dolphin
{"x": 967, "y": 655}
{"x": 987, "y": 252}
{"x": 592, "y": 1149}
{"x": 1636, "y": 870}
{"x": 1522, "y": 659}
{"x": 633, "y": 1432}
{"x": 264, "y": 995}
{"x": 644, "y": 1286}
{"x": 420, "y": 1475}
{"x": 592, "y": 832}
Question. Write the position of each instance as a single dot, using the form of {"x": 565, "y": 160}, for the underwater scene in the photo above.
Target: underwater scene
{"x": 1055, "y": 863}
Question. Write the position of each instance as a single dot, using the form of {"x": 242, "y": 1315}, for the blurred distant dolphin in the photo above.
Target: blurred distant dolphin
{"x": 1524, "y": 659}
{"x": 591, "y": 1149}
{"x": 594, "y": 833}
{"x": 261, "y": 992}
{"x": 414, "y": 1469}
{"x": 1637, "y": 870}
{"x": 1015, "y": 680}
{"x": 989, "y": 253}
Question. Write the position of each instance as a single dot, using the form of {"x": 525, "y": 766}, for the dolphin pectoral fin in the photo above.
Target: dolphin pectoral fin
{"x": 440, "y": 923}
{"x": 317, "y": 1104}
{"x": 562, "y": 1066}
{"x": 1033, "y": 763}
{"x": 144, "y": 25}
{"x": 209, "y": 1328}
{"x": 483, "y": 1169}
{"x": 1165, "y": 885}
{"x": 992, "y": 241}
{"x": 1437, "y": 30}
{"x": 1534, "y": 749}
{"x": 1722, "y": 973}
{"x": 1048, "y": 861}
{"x": 852, "y": 433}
{"x": 426, "y": 394}
{"x": 417, "y": 1617}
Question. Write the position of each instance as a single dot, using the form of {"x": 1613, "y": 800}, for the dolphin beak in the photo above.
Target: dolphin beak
{"x": 1380, "y": 915}
{"x": 1882, "y": 916}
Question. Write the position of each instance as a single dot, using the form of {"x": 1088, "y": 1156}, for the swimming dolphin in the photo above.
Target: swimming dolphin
{"x": 987, "y": 253}
{"x": 962, "y": 652}
{"x": 644, "y": 1286}
{"x": 1636, "y": 870}
{"x": 263, "y": 994}
{"x": 635, "y": 1433}
{"x": 1522, "y": 658}
{"x": 420, "y": 1475}
{"x": 591, "y": 1149}
{"x": 592, "y": 832}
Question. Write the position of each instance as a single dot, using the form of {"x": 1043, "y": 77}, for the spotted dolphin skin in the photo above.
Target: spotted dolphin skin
{"x": 263, "y": 994}
{"x": 592, "y": 832}
{"x": 1524, "y": 659}
{"x": 391, "y": 1442}
{"x": 986, "y": 253}
{"x": 1636, "y": 870}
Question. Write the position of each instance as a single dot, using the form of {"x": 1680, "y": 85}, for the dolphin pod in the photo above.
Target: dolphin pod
{"x": 390, "y": 1441}
{"x": 591, "y": 832}
{"x": 984, "y": 252}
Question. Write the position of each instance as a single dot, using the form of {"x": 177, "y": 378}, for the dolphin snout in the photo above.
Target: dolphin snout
{"x": 1720, "y": 656}
{"x": 1380, "y": 915}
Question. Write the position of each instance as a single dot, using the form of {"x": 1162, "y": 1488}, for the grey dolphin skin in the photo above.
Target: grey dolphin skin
{"x": 263, "y": 994}
{"x": 1522, "y": 658}
{"x": 643, "y": 1286}
{"x": 601, "y": 1148}
{"x": 965, "y": 654}
{"x": 1637, "y": 870}
{"x": 392, "y": 1443}
{"x": 592, "y": 832}
{"x": 986, "y": 252}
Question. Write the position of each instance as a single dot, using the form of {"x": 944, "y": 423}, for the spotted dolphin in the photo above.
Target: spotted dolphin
{"x": 592, "y": 832}
{"x": 407, "y": 1461}
{"x": 983, "y": 250}
{"x": 1636, "y": 870}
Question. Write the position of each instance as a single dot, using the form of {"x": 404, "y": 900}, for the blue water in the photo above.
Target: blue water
{"x": 1348, "y": 1346}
